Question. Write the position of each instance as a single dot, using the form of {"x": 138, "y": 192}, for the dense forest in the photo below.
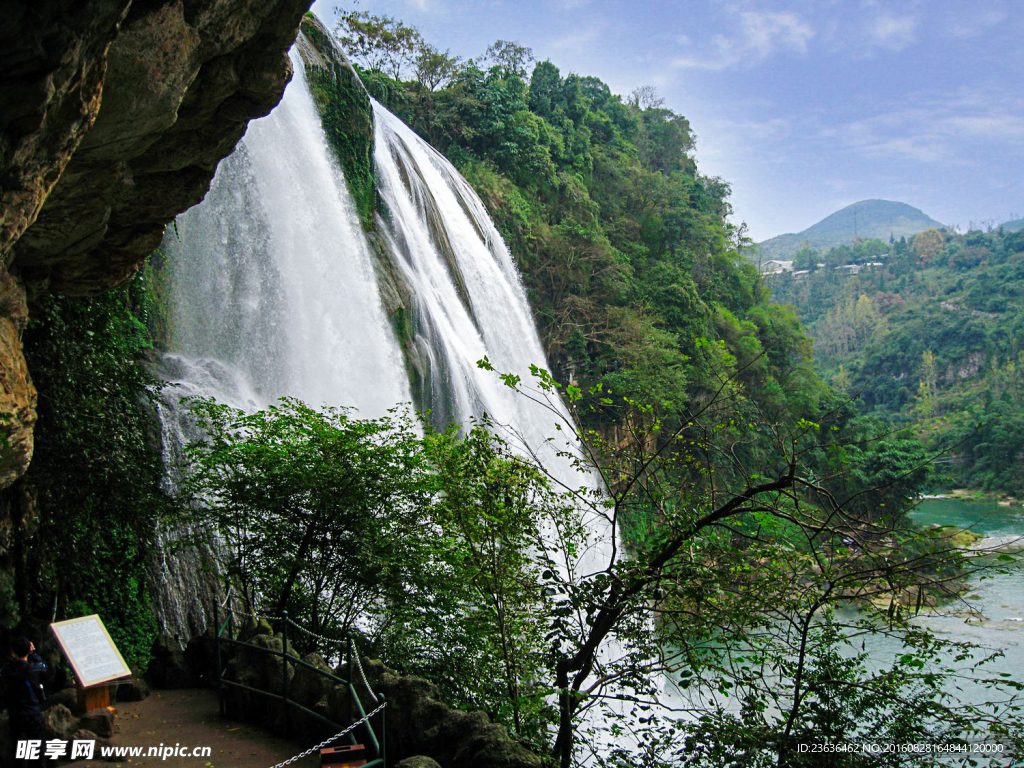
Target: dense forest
{"x": 749, "y": 499}
{"x": 930, "y": 338}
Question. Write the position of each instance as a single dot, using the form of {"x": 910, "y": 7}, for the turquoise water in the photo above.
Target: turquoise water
{"x": 998, "y": 598}
{"x": 985, "y": 517}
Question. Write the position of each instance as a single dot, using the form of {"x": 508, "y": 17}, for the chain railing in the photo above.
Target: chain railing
{"x": 332, "y": 739}
{"x": 375, "y": 737}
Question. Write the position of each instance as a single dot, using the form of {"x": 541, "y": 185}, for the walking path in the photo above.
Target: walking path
{"x": 190, "y": 718}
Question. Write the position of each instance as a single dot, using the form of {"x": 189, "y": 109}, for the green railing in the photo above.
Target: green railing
{"x": 374, "y": 736}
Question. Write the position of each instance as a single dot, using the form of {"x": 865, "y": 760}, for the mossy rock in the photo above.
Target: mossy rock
{"x": 964, "y": 539}
{"x": 345, "y": 111}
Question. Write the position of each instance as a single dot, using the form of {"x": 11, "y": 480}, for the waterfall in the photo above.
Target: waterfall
{"x": 273, "y": 289}
{"x": 271, "y": 292}
{"x": 470, "y": 303}
{"x": 272, "y": 279}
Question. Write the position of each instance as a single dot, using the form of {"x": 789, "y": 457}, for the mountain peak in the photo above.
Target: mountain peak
{"x": 864, "y": 219}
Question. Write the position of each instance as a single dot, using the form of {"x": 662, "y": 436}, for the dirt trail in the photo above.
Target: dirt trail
{"x": 191, "y": 718}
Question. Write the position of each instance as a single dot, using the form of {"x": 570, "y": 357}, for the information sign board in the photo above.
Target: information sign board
{"x": 92, "y": 653}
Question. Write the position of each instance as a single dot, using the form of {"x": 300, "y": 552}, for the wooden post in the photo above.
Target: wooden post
{"x": 95, "y": 697}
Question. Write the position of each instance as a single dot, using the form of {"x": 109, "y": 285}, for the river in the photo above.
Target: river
{"x": 990, "y": 614}
{"x": 997, "y": 598}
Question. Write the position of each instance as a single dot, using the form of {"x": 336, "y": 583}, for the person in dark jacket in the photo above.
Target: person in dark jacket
{"x": 23, "y": 696}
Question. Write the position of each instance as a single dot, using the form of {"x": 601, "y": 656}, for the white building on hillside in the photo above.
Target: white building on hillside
{"x": 775, "y": 266}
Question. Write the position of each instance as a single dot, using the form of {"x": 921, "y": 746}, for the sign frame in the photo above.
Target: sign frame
{"x": 82, "y": 682}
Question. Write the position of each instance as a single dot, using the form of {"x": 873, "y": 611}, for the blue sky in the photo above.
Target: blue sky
{"x": 803, "y": 107}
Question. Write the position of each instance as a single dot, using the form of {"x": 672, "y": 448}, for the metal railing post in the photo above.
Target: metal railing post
{"x": 351, "y": 690}
{"x": 231, "y": 611}
{"x": 382, "y": 740}
{"x": 216, "y": 642}
{"x": 284, "y": 671}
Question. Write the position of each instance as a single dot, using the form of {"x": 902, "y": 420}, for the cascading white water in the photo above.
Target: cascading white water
{"x": 470, "y": 303}
{"x": 273, "y": 291}
{"x": 273, "y": 280}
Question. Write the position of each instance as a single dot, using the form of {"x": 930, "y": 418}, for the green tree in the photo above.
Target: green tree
{"x": 491, "y": 507}
{"x": 317, "y": 509}
{"x": 434, "y": 68}
{"x": 379, "y": 43}
{"x": 514, "y": 59}
{"x": 733, "y": 588}
{"x": 421, "y": 542}
{"x": 806, "y": 258}
{"x": 97, "y": 478}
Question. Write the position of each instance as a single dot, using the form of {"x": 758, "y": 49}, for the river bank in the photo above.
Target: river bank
{"x": 974, "y": 495}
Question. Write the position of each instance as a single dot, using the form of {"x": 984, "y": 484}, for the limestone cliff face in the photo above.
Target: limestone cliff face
{"x": 113, "y": 117}
{"x": 17, "y": 395}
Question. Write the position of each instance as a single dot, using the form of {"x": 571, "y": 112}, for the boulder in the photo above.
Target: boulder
{"x": 262, "y": 671}
{"x": 59, "y": 722}
{"x": 132, "y": 689}
{"x": 67, "y": 697}
{"x": 201, "y": 658}
{"x": 418, "y": 761}
{"x": 167, "y": 668}
{"x": 99, "y": 721}
{"x": 253, "y": 627}
{"x": 307, "y": 687}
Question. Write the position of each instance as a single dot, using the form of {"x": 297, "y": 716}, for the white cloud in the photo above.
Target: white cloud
{"x": 768, "y": 31}
{"x": 938, "y": 127}
{"x": 576, "y": 42}
{"x": 894, "y": 33}
{"x": 760, "y": 34}
{"x": 972, "y": 22}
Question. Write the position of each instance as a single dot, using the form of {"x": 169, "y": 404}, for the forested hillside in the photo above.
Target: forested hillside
{"x": 624, "y": 245}
{"x": 931, "y": 338}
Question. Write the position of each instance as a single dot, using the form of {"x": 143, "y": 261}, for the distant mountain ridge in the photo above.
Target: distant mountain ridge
{"x": 866, "y": 219}
{"x": 1013, "y": 226}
